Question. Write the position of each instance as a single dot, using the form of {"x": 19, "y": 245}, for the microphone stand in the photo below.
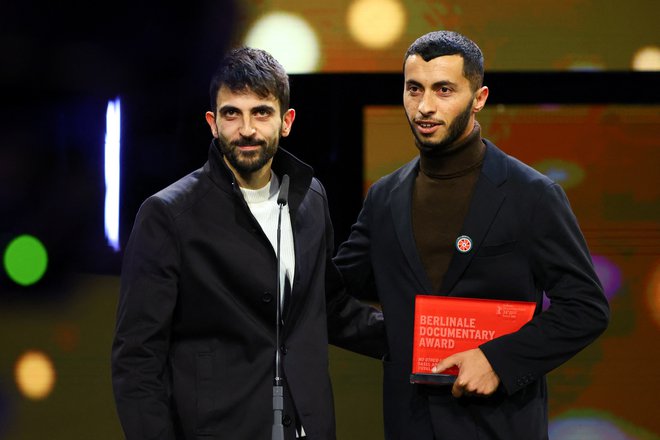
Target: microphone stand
{"x": 278, "y": 389}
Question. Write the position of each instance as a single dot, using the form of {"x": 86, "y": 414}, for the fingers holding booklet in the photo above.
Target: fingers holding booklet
{"x": 475, "y": 374}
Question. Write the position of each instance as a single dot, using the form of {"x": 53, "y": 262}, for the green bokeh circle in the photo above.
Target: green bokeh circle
{"x": 25, "y": 260}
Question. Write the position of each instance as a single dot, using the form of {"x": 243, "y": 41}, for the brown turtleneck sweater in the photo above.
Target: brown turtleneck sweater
{"x": 441, "y": 197}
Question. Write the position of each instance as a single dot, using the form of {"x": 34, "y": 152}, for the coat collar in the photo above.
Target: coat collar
{"x": 300, "y": 174}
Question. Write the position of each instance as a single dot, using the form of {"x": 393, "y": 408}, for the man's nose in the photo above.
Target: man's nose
{"x": 426, "y": 104}
{"x": 246, "y": 129}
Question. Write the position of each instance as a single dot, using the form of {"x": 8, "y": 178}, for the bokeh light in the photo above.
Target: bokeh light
{"x": 376, "y": 24}
{"x": 647, "y": 59}
{"x": 25, "y": 260}
{"x": 587, "y": 427}
{"x": 287, "y": 37}
{"x": 35, "y": 375}
{"x": 653, "y": 294}
{"x": 586, "y": 66}
{"x": 609, "y": 275}
{"x": 67, "y": 336}
{"x": 567, "y": 174}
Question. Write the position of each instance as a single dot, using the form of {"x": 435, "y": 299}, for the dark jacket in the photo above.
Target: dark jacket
{"x": 526, "y": 241}
{"x": 193, "y": 354}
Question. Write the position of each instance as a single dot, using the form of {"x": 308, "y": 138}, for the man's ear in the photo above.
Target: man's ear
{"x": 480, "y": 99}
{"x": 210, "y": 119}
{"x": 287, "y": 121}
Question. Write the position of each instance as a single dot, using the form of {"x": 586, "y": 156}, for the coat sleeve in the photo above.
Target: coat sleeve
{"x": 578, "y": 312}
{"x": 353, "y": 258}
{"x": 352, "y": 324}
{"x": 144, "y": 315}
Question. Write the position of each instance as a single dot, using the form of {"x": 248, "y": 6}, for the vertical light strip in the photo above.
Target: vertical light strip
{"x": 112, "y": 172}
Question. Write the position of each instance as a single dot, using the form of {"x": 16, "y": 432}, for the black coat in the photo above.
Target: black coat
{"x": 193, "y": 354}
{"x": 526, "y": 241}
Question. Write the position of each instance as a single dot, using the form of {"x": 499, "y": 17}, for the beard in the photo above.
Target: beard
{"x": 454, "y": 131}
{"x": 251, "y": 161}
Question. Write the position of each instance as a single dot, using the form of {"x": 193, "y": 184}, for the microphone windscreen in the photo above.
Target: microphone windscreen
{"x": 283, "y": 197}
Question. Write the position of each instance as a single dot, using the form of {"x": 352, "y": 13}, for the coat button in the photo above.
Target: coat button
{"x": 267, "y": 297}
{"x": 283, "y": 349}
{"x": 286, "y": 420}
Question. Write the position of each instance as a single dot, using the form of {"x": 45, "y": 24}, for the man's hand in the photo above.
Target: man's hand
{"x": 475, "y": 374}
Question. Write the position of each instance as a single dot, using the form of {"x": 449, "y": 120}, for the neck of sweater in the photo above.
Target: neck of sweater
{"x": 263, "y": 205}
{"x": 457, "y": 159}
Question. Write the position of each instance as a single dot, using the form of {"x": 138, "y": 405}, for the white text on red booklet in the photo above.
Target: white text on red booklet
{"x": 447, "y": 325}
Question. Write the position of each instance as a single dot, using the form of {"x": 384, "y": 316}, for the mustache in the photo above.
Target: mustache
{"x": 428, "y": 121}
{"x": 242, "y": 142}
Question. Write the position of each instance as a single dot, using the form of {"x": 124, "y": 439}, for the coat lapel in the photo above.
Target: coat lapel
{"x": 298, "y": 296}
{"x": 486, "y": 201}
{"x": 401, "y": 209}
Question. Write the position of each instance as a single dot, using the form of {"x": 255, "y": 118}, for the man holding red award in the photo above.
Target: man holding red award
{"x": 470, "y": 224}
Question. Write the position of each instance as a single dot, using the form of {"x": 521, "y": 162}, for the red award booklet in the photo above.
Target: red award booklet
{"x": 446, "y": 325}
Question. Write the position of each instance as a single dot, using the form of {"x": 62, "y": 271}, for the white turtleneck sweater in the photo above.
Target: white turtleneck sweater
{"x": 263, "y": 204}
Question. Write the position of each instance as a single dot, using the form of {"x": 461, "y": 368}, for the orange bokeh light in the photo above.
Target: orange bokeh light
{"x": 35, "y": 375}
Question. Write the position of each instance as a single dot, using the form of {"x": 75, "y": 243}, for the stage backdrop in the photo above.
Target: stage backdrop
{"x": 99, "y": 109}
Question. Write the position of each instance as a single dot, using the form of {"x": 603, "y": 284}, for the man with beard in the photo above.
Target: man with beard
{"x": 195, "y": 340}
{"x": 465, "y": 220}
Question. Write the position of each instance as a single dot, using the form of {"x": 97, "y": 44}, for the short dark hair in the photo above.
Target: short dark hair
{"x": 247, "y": 68}
{"x": 441, "y": 43}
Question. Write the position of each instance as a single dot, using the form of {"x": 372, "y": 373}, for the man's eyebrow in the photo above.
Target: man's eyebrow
{"x": 226, "y": 108}
{"x": 436, "y": 85}
{"x": 259, "y": 108}
{"x": 439, "y": 84}
{"x": 263, "y": 108}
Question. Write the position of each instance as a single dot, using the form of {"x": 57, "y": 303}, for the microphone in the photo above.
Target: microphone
{"x": 277, "y": 432}
{"x": 283, "y": 198}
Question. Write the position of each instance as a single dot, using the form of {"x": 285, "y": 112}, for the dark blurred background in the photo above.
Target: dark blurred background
{"x": 574, "y": 93}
